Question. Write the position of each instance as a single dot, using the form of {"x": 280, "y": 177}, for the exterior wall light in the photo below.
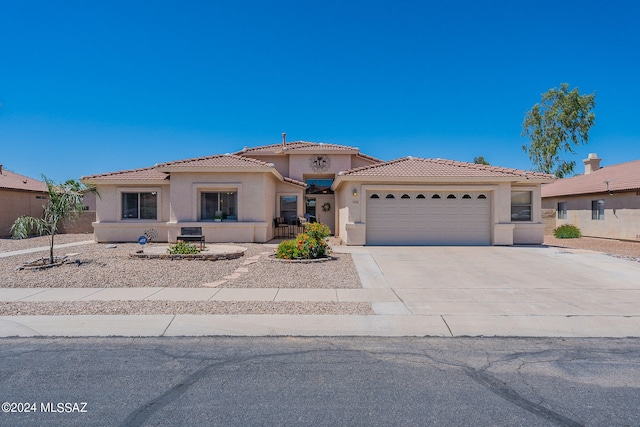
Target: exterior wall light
{"x": 355, "y": 193}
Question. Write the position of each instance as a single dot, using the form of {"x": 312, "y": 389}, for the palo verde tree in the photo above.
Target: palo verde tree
{"x": 65, "y": 202}
{"x": 560, "y": 122}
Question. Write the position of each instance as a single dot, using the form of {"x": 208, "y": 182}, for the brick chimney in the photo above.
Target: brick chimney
{"x": 591, "y": 163}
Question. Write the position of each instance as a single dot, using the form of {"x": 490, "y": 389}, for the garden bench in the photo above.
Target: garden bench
{"x": 192, "y": 234}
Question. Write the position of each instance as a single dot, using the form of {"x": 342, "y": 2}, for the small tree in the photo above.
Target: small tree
{"x": 65, "y": 202}
{"x": 560, "y": 122}
{"x": 479, "y": 160}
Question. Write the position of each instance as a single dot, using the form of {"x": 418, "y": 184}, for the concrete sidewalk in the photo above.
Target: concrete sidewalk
{"x": 44, "y": 248}
{"x": 196, "y": 294}
{"x": 445, "y": 291}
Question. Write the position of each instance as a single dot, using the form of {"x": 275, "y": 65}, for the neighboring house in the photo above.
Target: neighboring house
{"x": 19, "y": 195}
{"x": 83, "y": 223}
{"x": 604, "y": 202}
{"x": 363, "y": 200}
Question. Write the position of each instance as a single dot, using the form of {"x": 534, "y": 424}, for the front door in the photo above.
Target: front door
{"x": 325, "y": 210}
{"x": 320, "y": 201}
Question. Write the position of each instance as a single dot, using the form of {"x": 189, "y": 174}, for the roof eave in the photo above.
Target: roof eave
{"x": 125, "y": 181}
{"x": 425, "y": 179}
{"x": 25, "y": 190}
{"x": 213, "y": 169}
{"x": 588, "y": 193}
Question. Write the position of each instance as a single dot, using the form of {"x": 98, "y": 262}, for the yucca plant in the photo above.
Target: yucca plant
{"x": 65, "y": 202}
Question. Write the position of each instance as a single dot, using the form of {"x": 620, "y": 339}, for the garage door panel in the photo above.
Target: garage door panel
{"x": 429, "y": 221}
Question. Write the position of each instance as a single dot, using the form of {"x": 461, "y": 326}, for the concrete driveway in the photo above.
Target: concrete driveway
{"x": 520, "y": 291}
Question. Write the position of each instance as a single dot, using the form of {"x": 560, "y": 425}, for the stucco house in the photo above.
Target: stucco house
{"x": 603, "y": 202}
{"x": 236, "y": 197}
{"x": 19, "y": 195}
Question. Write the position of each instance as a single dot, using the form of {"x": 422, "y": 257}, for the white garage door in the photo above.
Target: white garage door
{"x": 428, "y": 218}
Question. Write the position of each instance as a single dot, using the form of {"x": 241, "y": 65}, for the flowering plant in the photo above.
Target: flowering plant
{"x": 310, "y": 244}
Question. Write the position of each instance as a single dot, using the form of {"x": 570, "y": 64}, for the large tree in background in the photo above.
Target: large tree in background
{"x": 480, "y": 160}
{"x": 560, "y": 122}
{"x": 65, "y": 202}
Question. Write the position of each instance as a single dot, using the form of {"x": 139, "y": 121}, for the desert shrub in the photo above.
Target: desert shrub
{"x": 310, "y": 244}
{"x": 316, "y": 230}
{"x": 567, "y": 231}
{"x": 183, "y": 248}
{"x": 288, "y": 249}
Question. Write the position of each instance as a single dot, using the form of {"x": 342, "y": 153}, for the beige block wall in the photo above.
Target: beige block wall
{"x": 79, "y": 225}
{"x": 549, "y": 220}
{"x": 621, "y": 215}
{"x": 14, "y": 204}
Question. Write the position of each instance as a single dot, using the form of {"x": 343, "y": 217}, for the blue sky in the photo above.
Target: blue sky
{"x": 92, "y": 87}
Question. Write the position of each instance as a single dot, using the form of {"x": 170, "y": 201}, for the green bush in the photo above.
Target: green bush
{"x": 310, "y": 244}
{"x": 288, "y": 249}
{"x": 567, "y": 231}
{"x": 183, "y": 248}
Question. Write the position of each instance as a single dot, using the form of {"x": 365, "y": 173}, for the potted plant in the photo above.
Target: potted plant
{"x": 218, "y": 216}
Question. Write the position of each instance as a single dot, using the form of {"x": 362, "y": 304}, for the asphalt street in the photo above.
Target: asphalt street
{"x": 319, "y": 381}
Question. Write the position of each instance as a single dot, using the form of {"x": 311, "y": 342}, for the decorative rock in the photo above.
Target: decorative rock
{"x": 303, "y": 260}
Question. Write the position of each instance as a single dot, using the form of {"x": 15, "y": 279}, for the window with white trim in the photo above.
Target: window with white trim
{"x": 140, "y": 205}
{"x": 521, "y": 205}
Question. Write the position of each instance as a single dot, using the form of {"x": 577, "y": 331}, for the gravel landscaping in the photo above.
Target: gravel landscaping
{"x": 618, "y": 248}
{"x": 105, "y": 267}
{"x": 181, "y": 307}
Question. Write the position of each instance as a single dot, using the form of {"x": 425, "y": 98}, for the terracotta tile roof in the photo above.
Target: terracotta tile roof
{"x": 217, "y": 161}
{"x": 621, "y": 177}
{"x": 295, "y": 181}
{"x": 295, "y": 147}
{"x": 14, "y": 181}
{"x": 145, "y": 174}
{"x": 419, "y": 167}
{"x": 161, "y": 172}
